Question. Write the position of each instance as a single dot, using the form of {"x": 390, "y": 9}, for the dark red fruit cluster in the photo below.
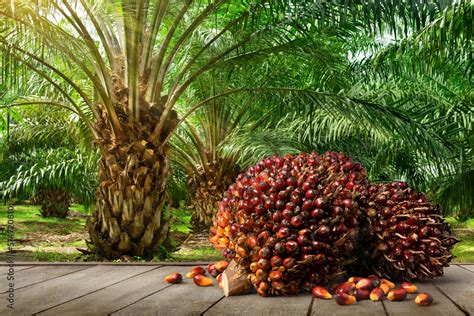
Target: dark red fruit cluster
{"x": 300, "y": 220}
{"x": 292, "y": 221}
{"x": 410, "y": 238}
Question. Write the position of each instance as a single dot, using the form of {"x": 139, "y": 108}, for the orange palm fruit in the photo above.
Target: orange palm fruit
{"x": 409, "y": 287}
{"x": 174, "y": 278}
{"x": 344, "y": 299}
{"x": 423, "y": 299}
{"x": 385, "y": 288}
{"x": 397, "y": 295}
{"x": 219, "y": 280}
{"x": 390, "y": 284}
{"x": 195, "y": 271}
{"x": 321, "y": 292}
{"x": 202, "y": 280}
{"x": 221, "y": 265}
{"x": 376, "y": 294}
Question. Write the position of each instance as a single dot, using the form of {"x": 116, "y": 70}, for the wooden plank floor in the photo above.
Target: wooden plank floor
{"x": 127, "y": 289}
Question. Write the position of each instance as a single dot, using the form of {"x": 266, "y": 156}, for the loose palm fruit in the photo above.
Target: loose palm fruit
{"x": 211, "y": 267}
{"x": 376, "y": 294}
{"x": 174, "y": 278}
{"x": 365, "y": 284}
{"x": 390, "y": 284}
{"x": 361, "y": 294}
{"x": 221, "y": 266}
{"x": 423, "y": 299}
{"x": 409, "y": 287}
{"x": 201, "y": 280}
{"x": 320, "y": 292}
{"x": 346, "y": 287}
{"x": 345, "y": 299}
{"x": 384, "y": 287}
{"x": 195, "y": 271}
{"x": 397, "y": 295}
{"x": 219, "y": 280}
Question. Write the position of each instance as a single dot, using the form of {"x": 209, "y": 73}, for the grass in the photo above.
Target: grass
{"x": 200, "y": 253}
{"x": 464, "y": 251}
{"x": 45, "y": 239}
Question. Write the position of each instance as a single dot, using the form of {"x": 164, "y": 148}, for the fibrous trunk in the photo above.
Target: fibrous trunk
{"x": 133, "y": 173}
{"x": 207, "y": 188}
{"x": 54, "y": 202}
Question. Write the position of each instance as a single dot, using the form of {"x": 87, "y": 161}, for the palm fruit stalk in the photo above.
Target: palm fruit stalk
{"x": 292, "y": 222}
{"x": 409, "y": 236}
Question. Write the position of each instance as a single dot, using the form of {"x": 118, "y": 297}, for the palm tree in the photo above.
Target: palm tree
{"x": 140, "y": 59}
{"x": 54, "y": 177}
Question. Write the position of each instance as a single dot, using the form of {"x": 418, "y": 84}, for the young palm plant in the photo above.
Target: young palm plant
{"x": 53, "y": 177}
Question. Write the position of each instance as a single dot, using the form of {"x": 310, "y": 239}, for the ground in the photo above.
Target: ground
{"x": 51, "y": 239}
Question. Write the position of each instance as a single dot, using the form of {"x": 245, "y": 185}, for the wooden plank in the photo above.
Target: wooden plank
{"x": 330, "y": 307}
{"x": 469, "y": 267}
{"x": 38, "y": 274}
{"x": 4, "y": 269}
{"x": 441, "y": 304}
{"x": 458, "y": 285}
{"x": 44, "y": 295}
{"x": 180, "y": 299}
{"x": 117, "y": 296}
{"x": 253, "y": 304}
{"x": 94, "y": 263}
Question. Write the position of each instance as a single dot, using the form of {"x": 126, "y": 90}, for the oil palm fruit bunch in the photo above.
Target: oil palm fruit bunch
{"x": 292, "y": 221}
{"x": 409, "y": 236}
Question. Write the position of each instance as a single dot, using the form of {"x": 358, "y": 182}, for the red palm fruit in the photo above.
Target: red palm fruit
{"x": 365, "y": 284}
{"x": 219, "y": 280}
{"x": 289, "y": 263}
{"x": 276, "y": 261}
{"x": 423, "y": 299}
{"x": 409, "y": 287}
{"x": 221, "y": 265}
{"x": 201, "y": 280}
{"x": 195, "y": 271}
{"x": 321, "y": 292}
{"x": 354, "y": 279}
{"x": 344, "y": 299}
{"x": 346, "y": 287}
{"x": 397, "y": 295}
{"x": 390, "y": 284}
{"x": 361, "y": 294}
{"x": 291, "y": 246}
{"x": 174, "y": 278}
{"x": 252, "y": 242}
{"x": 265, "y": 253}
{"x": 211, "y": 267}
{"x": 385, "y": 288}
{"x": 376, "y": 294}
{"x": 275, "y": 275}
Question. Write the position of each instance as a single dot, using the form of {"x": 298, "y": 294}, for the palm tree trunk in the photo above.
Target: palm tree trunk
{"x": 133, "y": 174}
{"x": 54, "y": 202}
{"x": 207, "y": 189}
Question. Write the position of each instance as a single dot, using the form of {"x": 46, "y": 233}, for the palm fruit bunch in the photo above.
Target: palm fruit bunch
{"x": 292, "y": 221}
{"x": 408, "y": 238}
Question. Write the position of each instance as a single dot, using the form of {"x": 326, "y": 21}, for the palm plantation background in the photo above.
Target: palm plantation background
{"x": 123, "y": 122}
